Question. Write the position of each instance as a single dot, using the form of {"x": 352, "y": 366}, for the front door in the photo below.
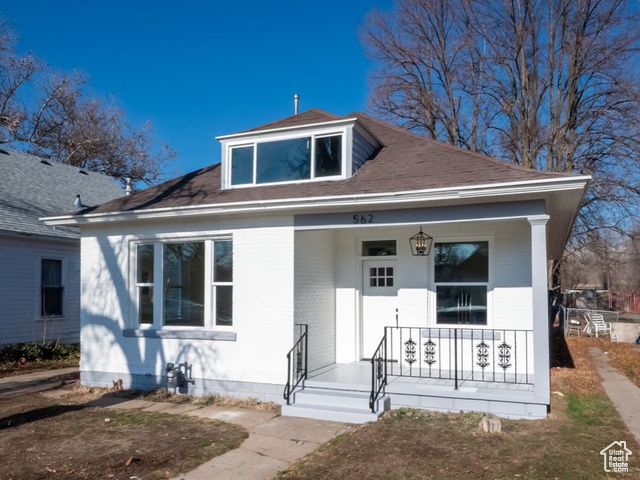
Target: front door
{"x": 379, "y": 302}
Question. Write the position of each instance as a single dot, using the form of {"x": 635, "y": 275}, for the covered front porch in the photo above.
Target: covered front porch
{"x": 462, "y": 328}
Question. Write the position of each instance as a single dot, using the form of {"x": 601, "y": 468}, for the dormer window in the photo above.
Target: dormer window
{"x": 299, "y": 153}
{"x": 288, "y": 160}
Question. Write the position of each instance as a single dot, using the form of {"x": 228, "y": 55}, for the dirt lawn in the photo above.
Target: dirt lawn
{"x": 415, "y": 444}
{"x": 46, "y": 438}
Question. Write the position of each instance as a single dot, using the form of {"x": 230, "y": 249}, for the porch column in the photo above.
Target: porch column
{"x": 539, "y": 289}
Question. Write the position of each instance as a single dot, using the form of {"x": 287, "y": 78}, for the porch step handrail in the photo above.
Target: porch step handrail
{"x": 297, "y": 372}
{"x": 378, "y": 371}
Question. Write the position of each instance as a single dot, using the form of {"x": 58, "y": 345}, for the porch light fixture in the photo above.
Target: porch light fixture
{"x": 421, "y": 244}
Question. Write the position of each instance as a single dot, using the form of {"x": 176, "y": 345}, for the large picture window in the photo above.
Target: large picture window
{"x": 295, "y": 159}
{"x": 176, "y": 294}
{"x": 183, "y": 283}
{"x": 52, "y": 290}
{"x": 461, "y": 274}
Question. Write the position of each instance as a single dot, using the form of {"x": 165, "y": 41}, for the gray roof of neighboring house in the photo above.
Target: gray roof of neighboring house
{"x": 405, "y": 162}
{"x": 31, "y": 188}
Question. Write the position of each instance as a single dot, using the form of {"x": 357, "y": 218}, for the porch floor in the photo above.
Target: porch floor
{"x": 357, "y": 376}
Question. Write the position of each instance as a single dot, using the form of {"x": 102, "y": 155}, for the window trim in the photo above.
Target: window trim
{"x": 133, "y": 324}
{"x": 488, "y": 284}
{"x": 63, "y": 281}
{"x": 312, "y": 134}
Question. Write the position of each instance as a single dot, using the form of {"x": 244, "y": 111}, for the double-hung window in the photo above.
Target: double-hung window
{"x": 51, "y": 288}
{"x": 461, "y": 275}
{"x": 294, "y": 159}
{"x": 171, "y": 283}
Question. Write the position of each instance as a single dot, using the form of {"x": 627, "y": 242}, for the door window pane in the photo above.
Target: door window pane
{"x": 284, "y": 160}
{"x": 241, "y": 165}
{"x": 462, "y": 262}
{"x": 377, "y": 248}
{"x": 328, "y": 156}
{"x": 183, "y": 283}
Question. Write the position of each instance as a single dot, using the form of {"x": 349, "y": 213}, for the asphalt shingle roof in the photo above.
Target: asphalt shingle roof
{"x": 406, "y": 162}
{"x": 31, "y": 188}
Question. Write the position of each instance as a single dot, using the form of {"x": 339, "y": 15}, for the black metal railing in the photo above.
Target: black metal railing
{"x": 378, "y": 372}
{"x": 460, "y": 354}
{"x": 296, "y": 363}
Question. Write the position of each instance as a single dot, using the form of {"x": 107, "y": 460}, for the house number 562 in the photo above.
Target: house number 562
{"x": 363, "y": 218}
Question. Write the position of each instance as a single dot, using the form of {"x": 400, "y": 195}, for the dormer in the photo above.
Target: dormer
{"x": 292, "y": 151}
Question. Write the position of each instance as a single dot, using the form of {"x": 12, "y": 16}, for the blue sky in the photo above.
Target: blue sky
{"x": 198, "y": 69}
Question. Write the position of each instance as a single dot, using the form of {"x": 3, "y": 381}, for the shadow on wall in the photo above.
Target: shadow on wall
{"x": 103, "y": 340}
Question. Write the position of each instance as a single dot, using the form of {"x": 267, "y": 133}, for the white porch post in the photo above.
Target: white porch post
{"x": 539, "y": 289}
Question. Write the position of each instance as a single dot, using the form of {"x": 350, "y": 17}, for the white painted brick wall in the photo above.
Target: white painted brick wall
{"x": 315, "y": 294}
{"x": 263, "y": 307}
{"x": 20, "y": 266}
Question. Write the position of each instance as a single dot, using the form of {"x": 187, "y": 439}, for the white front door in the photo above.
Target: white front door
{"x": 379, "y": 302}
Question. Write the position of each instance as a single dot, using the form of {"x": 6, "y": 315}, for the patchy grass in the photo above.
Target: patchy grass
{"x": 42, "y": 438}
{"x": 625, "y": 357}
{"x": 162, "y": 395}
{"x": 414, "y": 444}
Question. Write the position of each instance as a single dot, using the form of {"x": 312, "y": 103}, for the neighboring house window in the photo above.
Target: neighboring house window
{"x": 222, "y": 282}
{"x": 179, "y": 289}
{"x": 52, "y": 290}
{"x": 305, "y": 158}
{"x": 183, "y": 283}
{"x": 144, "y": 282}
{"x": 461, "y": 275}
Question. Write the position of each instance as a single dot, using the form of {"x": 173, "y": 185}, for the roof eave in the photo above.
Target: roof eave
{"x": 448, "y": 193}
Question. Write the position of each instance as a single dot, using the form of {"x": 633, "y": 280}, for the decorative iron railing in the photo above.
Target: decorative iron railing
{"x": 296, "y": 363}
{"x": 460, "y": 354}
{"x": 378, "y": 372}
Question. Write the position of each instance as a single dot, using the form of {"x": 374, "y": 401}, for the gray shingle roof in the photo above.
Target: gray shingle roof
{"x": 406, "y": 162}
{"x": 31, "y": 188}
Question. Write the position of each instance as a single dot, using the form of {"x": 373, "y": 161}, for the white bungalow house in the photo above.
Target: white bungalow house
{"x": 297, "y": 266}
{"x": 40, "y": 264}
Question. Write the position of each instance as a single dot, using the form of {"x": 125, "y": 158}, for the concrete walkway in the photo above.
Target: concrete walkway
{"x": 34, "y": 382}
{"x": 273, "y": 443}
{"x": 624, "y": 394}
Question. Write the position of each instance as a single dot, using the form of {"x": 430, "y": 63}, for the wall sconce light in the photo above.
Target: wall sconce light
{"x": 421, "y": 244}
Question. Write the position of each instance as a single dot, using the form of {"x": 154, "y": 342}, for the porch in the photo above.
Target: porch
{"x": 447, "y": 369}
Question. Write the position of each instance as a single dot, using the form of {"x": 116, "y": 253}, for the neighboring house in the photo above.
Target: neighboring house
{"x": 302, "y": 236}
{"x": 40, "y": 264}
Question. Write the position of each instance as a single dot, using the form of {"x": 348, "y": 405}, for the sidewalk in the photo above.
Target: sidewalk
{"x": 624, "y": 394}
{"x": 273, "y": 443}
{"x": 34, "y": 382}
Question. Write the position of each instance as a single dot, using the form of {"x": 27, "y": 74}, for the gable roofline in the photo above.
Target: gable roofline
{"x": 385, "y": 198}
{"x": 307, "y": 126}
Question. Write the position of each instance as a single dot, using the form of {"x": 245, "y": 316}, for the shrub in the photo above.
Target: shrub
{"x": 37, "y": 351}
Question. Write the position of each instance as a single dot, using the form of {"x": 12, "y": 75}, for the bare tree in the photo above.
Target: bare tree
{"x": 54, "y": 117}
{"x": 546, "y": 84}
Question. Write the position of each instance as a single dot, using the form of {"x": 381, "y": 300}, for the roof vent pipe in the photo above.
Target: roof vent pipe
{"x": 296, "y": 98}
{"x": 127, "y": 189}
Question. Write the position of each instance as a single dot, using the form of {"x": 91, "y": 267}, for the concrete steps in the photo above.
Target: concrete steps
{"x": 335, "y": 405}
